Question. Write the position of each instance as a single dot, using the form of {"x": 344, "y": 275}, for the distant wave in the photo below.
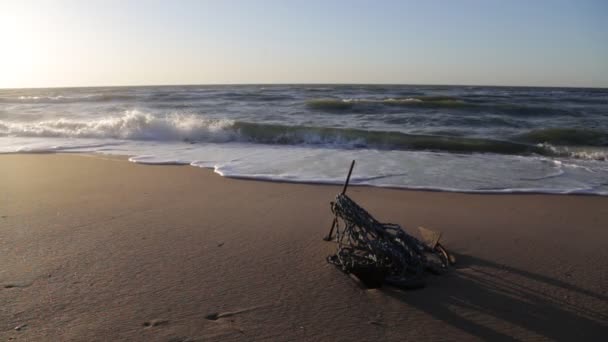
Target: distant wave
{"x": 340, "y": 104}
{"x": 256, "y": 97}
{"x": 170, "y": 97}
{"x": 134, "y": 125}
{"x": 74, "y": 98}
{"x": 372, "y": 105}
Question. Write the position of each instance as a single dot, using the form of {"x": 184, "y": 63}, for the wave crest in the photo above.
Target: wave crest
{"x": 135, "y": 125}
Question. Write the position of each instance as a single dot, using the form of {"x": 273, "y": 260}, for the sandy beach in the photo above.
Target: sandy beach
{"x": 96, "y": 248}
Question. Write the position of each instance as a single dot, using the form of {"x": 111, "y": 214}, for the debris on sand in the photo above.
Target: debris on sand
{"x": 378, "y": 253}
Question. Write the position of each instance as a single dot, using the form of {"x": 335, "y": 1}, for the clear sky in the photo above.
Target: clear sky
{"x": 493, "y": 42}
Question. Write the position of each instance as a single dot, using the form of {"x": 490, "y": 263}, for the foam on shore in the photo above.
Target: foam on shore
{"x": 483, "y": 173}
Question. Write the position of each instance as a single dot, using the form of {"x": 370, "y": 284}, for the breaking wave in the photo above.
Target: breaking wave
{"x": 135, "y": 125}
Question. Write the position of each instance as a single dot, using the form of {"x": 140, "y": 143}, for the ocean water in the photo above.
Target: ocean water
{"x": 452, "y": 138}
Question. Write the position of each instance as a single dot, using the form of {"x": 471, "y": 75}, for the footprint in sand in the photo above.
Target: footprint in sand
{"x": 213, "y": 316}
{"x": 216, "y": 315}
{"x": 155, "y": 323}
{"x": 13, "y": 285}
{"x": 20, "y": 327}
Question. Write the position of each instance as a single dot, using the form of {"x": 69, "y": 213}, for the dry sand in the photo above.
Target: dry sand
{"x": 95, "y": 248}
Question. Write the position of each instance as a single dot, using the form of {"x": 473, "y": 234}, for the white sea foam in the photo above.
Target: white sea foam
{"x": 483, "y": 173}
{"x": 132, "y": 125}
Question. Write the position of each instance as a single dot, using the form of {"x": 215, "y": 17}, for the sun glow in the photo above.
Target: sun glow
{"x": 20, "y": 47}
{"x": 26, "y": 47}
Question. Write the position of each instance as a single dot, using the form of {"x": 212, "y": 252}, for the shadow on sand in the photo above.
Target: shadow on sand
{"x": 497, "y": 302}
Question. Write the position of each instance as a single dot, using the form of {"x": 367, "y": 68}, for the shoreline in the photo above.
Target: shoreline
{"x": 97, "y": 248}
{"x": 319, "y": 183}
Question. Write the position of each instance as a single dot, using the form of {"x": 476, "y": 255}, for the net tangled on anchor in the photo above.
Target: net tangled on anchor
{"x": 379, "y": 253}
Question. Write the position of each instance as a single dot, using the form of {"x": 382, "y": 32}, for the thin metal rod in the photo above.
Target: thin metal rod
{"x": 331, "y": 231}
{"x": 348, "y": 177}
{"x": 329, "y": 236}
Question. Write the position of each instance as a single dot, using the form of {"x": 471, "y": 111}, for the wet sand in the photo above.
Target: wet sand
{"x": 96, "y": 248}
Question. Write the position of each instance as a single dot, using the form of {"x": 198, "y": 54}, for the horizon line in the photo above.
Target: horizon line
{"x": 307, "y": 83}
